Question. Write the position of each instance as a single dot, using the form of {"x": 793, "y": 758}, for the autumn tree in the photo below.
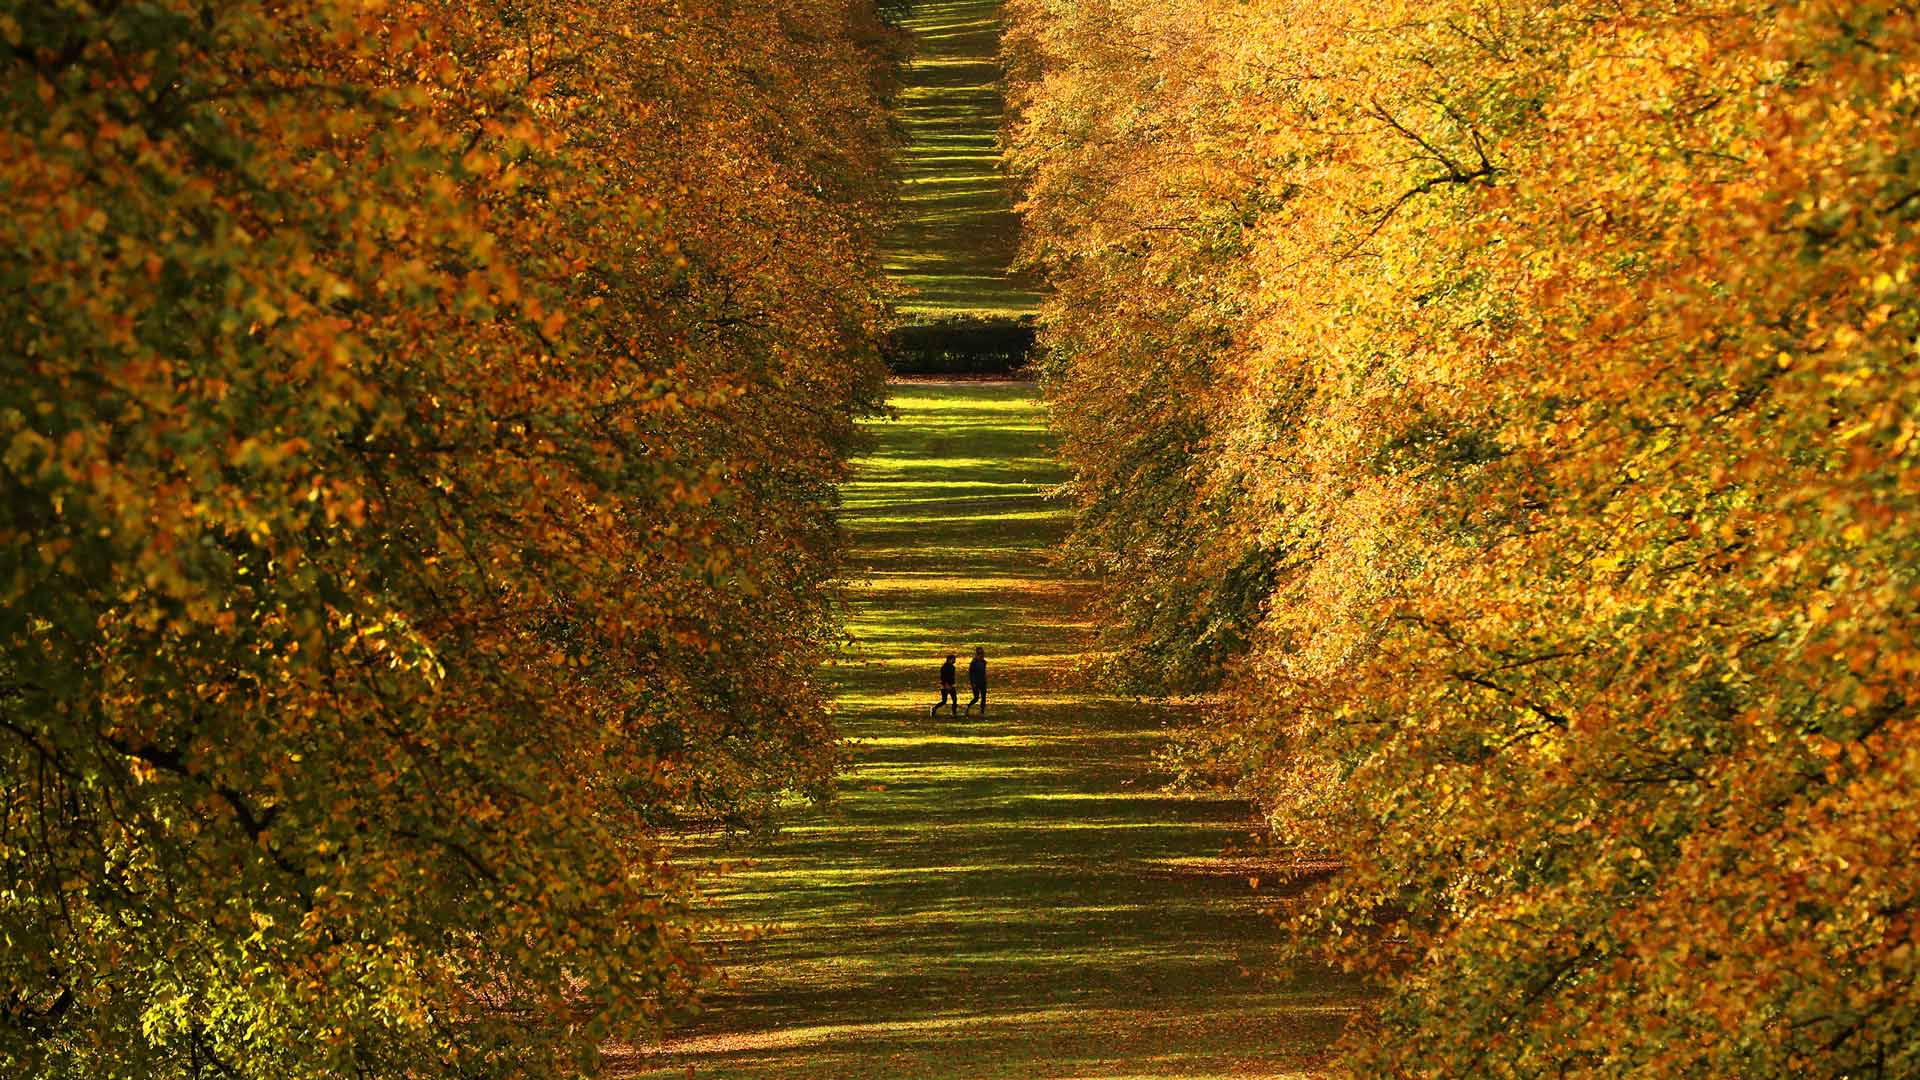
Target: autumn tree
{"x": 1569, "y": 405}
{"x": 1145, "y": 242}
{"x": 417, "y": 448}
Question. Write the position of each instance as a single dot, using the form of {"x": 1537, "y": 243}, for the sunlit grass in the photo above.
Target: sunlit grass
{"x": 908, "y": 583}
{"x": 953, "y": 247}
{"x": 999, "y": 897}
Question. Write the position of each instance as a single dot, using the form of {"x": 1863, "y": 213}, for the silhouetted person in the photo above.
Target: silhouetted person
{"x": 948, "y": 694}
{"x": 977, "y": 678}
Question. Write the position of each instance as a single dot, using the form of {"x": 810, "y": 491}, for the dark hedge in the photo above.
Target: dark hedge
{"x": 961, "y": 345}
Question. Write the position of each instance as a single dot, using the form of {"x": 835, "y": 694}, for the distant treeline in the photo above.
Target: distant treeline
{"x": 1512, "y": 412}
{"x": 961, "y": 344}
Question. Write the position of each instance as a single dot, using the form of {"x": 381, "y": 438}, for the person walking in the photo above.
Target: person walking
{"x": 977, "y": 679}
{"x": 948, "y": 694}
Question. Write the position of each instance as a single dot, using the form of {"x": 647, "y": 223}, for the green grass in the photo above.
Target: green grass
{"x": 1008, "y": 897}
{"x": 958, "y": 233}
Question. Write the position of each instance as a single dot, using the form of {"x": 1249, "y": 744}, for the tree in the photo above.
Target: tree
{"x": 1129, "y": 222}
{"x": 1575, "y": 397}
{"x": 403, "y": 517}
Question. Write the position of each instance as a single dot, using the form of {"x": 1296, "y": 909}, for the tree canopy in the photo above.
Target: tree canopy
{"x": 419, "y": 424}
{"x": 1517, "y": 404}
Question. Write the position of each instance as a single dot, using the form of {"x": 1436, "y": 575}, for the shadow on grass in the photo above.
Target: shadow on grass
{"x": 958, "y": 236}
{"x": 1001, "y": 896}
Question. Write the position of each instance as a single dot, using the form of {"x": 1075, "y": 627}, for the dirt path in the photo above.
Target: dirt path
{"x": 1001, "y": 897}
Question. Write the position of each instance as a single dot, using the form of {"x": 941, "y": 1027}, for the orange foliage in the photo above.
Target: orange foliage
{"x": 419, "y": 430}
{"x": 1555, "y": 367}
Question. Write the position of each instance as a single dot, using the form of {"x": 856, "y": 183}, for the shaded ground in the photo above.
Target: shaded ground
{"x": 1007, "y": 897}
{"x": 959, "y": 232}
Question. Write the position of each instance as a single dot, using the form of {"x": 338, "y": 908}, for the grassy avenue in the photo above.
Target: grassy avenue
{"x": 1012, "y": 896}
{"x": 957, "y": 236}
{"x": 1002, "y": 897}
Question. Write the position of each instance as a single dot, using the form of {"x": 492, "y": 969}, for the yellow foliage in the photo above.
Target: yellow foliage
{"x": 1529, "y": 389}
{"x": 382, "y": 382}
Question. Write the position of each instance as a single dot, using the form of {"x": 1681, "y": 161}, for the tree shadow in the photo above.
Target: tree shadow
{"x": 1007, "y": 895}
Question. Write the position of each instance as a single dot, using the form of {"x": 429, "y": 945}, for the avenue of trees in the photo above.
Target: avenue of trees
{"x": 1509, "y": 411}
{"x": 419, "y": 423}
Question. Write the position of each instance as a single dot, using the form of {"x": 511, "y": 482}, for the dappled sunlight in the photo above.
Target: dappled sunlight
{"x": 1026, "y": 586}
{"x": 875, "y": 490}
{"x": 1003, "y": 896}
{"x": 982, "y": 514}
{"x": 918, "y": 656}
{"x": 930, "y": 739}
{"x": 1059, "y": 1020}
{"x": 1020, "y": 701}
{"x": 952, "y": 248}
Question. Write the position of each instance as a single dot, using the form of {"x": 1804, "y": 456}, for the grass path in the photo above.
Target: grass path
{"x": 958, "y": 232}
{"x": 1008, "y": 897}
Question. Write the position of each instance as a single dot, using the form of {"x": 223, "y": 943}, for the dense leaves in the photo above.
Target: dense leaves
{"x": 1523, "y": 398}
{"x": 418, "y": 429}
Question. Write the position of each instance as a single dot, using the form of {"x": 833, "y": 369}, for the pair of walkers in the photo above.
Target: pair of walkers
{"x": 976, "y": 678}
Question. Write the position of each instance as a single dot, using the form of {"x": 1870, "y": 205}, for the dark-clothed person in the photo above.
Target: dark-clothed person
{"x": 948, "y": 695}
{"x": 977, "y": 679}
